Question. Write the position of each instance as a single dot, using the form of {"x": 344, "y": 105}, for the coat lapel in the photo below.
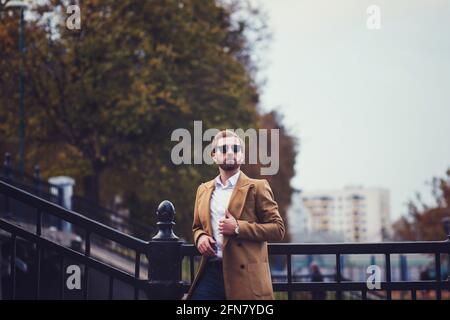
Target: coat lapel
{"x": 237, "y": 200}
{"x": 205, "y": 205}
{"x": 235, "y": 206}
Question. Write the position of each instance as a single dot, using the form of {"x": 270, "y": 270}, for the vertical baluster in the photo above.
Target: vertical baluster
{"x": 338, "y": 275}
{"x": 111, "y": 287}
{"x": 62, "y": 277}
{"x": 38, "y": 269}
{"x": 289, "y": 276}
{"x": 388, "y": 276}
{"x": 38, "y": 252}
{"x": 137, "y": 273}
{"x": 413, "y": 295}
{"x": 39, "y": 222}
{"x": 87, "y": 253}
{"x": 148, "y": 269}
{"x": 437, "y": 262}
{"x": 13, "y": 265}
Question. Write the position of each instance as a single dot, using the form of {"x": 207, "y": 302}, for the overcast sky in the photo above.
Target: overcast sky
{"x": 371, "y": 107}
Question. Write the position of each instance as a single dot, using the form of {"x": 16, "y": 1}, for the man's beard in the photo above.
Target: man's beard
{"x": 229, "y": 166}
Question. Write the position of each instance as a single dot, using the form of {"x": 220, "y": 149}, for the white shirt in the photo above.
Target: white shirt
{"x": 218, "y": 205}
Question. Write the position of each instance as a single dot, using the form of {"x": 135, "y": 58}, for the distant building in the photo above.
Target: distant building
{"x": 352, "y": 214}
{"x": 299, "y": 222}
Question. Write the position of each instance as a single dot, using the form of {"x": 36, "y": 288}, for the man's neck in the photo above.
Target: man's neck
{"x": 225, "y": 175}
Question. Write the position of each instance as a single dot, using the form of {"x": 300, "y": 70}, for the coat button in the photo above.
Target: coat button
{"x": 242, "y": 266}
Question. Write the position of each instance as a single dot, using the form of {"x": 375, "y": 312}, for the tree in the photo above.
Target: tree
{"x": 101, "y": 102}
{"x": 424, "y": 221}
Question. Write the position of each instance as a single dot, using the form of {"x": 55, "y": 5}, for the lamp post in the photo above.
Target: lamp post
{"x": 21, "y": 5}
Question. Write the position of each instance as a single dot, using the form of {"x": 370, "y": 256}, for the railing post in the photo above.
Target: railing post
{"x": 164, "y": 257}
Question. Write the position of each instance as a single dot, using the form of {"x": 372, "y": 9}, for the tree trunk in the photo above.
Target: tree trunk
{"x": 91, "y": 184}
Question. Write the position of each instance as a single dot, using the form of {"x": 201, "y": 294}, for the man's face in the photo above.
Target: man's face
{"x": 229, "y": 154}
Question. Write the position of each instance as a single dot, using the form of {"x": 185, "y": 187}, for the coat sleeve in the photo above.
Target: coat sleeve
{"x": 197, "y": 228}
{"x": 270, "y": 226}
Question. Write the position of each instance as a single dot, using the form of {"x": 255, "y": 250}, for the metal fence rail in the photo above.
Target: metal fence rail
{"x": 165, "y": 254}
{"x": 341, "y": 285}
{"x": 151, "y": 286}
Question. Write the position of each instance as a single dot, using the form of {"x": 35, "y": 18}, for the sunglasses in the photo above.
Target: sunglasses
{"x": 224, "y": 148}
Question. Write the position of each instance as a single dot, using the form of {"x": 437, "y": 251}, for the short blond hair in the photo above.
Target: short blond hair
{"x": 224, "y": 134}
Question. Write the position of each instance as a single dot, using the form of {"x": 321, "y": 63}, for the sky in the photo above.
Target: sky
{"x": 370, "y": 107}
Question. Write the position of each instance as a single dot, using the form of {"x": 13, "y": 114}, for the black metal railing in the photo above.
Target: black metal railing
{"x": 387, "y": 249}
{"x": 166, "y": 255}
{"x": 161, "y": 280}
{"x": 340, "y": 284}
{"x": 35, "y": 184}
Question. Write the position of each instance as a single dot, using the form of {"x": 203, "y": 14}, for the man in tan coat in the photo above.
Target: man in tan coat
{"x": 234, "y": 217}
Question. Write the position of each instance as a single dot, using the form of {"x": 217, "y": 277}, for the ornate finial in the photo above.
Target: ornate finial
{"x": 166, "y": 217}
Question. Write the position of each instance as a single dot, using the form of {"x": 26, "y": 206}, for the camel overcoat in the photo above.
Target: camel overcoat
{"x": 245, "y": 260}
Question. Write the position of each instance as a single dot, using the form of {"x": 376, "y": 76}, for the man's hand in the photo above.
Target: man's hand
{"x": 205, "y": 245}
{"x": 227, "y": 224}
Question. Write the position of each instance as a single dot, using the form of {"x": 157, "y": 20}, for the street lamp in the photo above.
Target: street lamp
{"x": 21, "y": 5}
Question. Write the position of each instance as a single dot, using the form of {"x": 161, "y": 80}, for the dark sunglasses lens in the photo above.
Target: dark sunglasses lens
{"x": 235, "y": 147}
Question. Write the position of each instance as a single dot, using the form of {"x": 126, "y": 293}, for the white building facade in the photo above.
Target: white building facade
{"x": 354, "y": 213}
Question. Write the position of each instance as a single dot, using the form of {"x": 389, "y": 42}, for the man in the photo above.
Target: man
{"x": 234, "y": 217}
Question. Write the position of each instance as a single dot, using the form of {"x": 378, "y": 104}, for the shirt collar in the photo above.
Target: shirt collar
{"x": 230, "y": 183}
